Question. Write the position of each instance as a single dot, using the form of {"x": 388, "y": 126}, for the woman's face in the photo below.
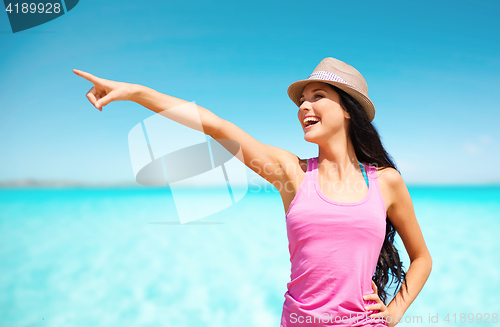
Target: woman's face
{"x": 320, "y": 100}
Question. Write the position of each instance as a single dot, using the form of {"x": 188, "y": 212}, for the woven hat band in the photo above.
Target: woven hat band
{"x": 326, "y": 76}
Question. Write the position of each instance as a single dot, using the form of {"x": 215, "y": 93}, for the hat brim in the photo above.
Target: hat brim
{"x": 295, "y": 91}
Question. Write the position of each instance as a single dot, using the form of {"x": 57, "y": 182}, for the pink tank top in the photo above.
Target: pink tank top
{"x": 334, "y": 249}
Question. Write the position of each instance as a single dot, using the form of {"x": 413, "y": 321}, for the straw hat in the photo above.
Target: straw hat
{"x": 341, "y": 75}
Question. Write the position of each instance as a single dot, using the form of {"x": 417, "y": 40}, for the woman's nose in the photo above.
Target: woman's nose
{"x": 306, "y": 105}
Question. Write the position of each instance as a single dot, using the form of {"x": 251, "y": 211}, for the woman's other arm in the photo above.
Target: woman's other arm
{"x": 402, "y": 216}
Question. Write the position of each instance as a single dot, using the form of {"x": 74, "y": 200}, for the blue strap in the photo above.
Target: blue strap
{"x": 364, "y": 173}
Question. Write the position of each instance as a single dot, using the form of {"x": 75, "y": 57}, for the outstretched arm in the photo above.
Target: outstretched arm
{"x": 266, "y": 160}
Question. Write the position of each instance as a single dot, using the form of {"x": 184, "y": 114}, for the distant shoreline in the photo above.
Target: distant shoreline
{"x": 34, "y": 183}
{"x": 55, "y": 183}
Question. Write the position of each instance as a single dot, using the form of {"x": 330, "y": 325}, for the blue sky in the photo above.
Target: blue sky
{"x": 432, "y": 69}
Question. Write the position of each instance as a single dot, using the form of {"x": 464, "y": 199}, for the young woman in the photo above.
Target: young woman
{"x": 342, "y": 207}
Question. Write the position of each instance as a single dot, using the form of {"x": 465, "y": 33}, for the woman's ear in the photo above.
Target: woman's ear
{"x": 346, "y": 114}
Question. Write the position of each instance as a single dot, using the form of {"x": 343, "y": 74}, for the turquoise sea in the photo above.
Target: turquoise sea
{"x": 120, "y": 257}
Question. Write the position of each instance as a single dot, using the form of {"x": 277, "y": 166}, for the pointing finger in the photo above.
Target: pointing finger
{"x": 87, "y": 76}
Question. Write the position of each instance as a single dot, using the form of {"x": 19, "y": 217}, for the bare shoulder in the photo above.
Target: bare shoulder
{"x": 389, "y": 176}
{"x": 391, "y": 184}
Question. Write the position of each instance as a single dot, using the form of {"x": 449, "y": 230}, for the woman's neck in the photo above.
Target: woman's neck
{"x": 338, "y": 160}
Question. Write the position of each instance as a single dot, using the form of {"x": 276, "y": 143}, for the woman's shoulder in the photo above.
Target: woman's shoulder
{"x": 391, "y": 183}
{"x": 389, "y": 176}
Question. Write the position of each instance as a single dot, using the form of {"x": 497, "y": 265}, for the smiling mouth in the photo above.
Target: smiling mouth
{"x": 309, "y": 124}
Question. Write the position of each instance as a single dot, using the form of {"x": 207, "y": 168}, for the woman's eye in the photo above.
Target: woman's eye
{"x": 315, "y": 96}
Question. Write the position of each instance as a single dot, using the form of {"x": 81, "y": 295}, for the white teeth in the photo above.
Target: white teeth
{"x": 311, "y": 119}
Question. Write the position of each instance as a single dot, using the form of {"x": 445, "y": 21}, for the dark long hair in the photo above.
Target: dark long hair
{"x": 368, "y": 147}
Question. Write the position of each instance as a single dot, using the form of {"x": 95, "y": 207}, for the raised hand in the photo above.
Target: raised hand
{"x": 105, "y": 91}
